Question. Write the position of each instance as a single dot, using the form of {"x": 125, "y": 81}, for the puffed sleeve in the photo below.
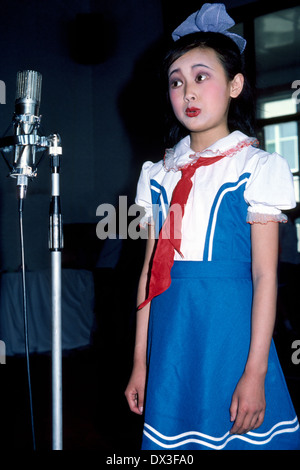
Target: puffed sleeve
{"x": 143, "y": 194}
{"x": 270, "y": 189}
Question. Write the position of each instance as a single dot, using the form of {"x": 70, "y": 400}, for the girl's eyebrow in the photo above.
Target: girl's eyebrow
{"x": 202, "y": 65}
{"x": 193, "y": 66}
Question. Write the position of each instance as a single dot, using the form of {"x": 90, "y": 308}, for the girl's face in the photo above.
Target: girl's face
{"x": 200, "y": 94}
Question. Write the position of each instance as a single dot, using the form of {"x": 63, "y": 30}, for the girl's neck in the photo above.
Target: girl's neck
{"x": 202, "y": 140}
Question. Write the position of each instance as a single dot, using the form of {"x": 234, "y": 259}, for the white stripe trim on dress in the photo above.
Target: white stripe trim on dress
{"x": 162, "y": 202}
{"x": 227, "y": 435}
{"x": 212, "y": 232}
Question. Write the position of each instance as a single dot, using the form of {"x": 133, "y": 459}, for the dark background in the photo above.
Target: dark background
{"x": 99, "y": 62}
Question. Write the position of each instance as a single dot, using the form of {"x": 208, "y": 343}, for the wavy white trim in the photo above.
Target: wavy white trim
{"x": 172, "y": 156}
{"x": 226, "y": 436}
{"x": 258, "y": 218}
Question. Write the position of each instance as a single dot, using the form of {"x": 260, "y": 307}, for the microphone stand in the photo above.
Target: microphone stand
{"x": 55, "y": 247}
{"x": 22, "y": 173}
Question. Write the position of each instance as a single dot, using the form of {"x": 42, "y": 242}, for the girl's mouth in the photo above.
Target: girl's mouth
{"x": 192, "y": 112}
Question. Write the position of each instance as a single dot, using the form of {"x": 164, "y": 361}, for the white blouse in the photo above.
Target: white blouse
{"x": 268, "y": 190}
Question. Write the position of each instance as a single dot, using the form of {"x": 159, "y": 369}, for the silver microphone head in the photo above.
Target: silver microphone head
{"x": 26, "y": 123}
{"x": 28, "y": 92}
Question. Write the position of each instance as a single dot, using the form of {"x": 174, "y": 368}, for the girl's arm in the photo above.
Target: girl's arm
{"x": 248, "y": 402}
{"x": 136, "y": 387}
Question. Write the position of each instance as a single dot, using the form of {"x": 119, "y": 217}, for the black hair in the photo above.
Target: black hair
{"x": 241, "y": 115}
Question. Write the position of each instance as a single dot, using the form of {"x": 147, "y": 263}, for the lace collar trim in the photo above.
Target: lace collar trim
{"x": 178, "y": 157}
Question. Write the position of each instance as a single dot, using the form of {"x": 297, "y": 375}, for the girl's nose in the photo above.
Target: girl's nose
{"x": 189, "y": 94}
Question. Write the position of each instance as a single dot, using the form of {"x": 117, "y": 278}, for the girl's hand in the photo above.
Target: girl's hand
{"x": 248, "y": 404}
{"x": 135, "y": 390}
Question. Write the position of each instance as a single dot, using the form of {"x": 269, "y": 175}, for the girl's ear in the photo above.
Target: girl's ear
{"x": 237, "y": 85}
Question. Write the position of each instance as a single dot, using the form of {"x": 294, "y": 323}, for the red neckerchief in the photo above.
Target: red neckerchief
{"x": 170, "y": 234}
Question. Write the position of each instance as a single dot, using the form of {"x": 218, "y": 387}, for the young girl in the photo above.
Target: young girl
{"x": 204, "y": 351}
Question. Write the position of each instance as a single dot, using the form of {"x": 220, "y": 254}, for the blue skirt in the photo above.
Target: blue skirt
{"x": 198, "y": 343}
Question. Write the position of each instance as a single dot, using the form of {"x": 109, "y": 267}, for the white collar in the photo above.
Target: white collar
{"x": 182, "y": 154}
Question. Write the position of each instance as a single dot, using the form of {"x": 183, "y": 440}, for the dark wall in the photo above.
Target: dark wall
{"x": 87, "y": 53}
{"x": 98, "y": 59}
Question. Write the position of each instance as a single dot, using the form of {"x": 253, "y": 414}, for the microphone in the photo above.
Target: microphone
{"x": 26, "y": 121}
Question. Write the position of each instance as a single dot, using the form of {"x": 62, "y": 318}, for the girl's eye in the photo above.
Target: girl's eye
{"x": 201, "y": 77}
{"x": 175, "y": 83}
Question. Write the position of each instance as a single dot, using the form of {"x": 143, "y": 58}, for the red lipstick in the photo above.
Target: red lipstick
{"x": 192, "y": 112}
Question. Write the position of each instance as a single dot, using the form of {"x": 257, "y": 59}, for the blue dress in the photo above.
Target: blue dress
{"x": 199, "y": 328}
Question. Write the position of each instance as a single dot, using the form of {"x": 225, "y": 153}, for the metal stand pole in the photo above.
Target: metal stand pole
{"x": 55, "y": 246}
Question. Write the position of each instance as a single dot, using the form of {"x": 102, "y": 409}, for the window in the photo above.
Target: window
{"x": 273, "y": 63}
{"x": 281, "y": 137}
{"x": 273, "y": 57}
{"x": 276, "y": 39}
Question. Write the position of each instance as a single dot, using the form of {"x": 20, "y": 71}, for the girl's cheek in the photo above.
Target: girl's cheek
{"x": 172, "y": 97}
{"x": 174, "y": 101}
{"x": 219, "y": 91}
